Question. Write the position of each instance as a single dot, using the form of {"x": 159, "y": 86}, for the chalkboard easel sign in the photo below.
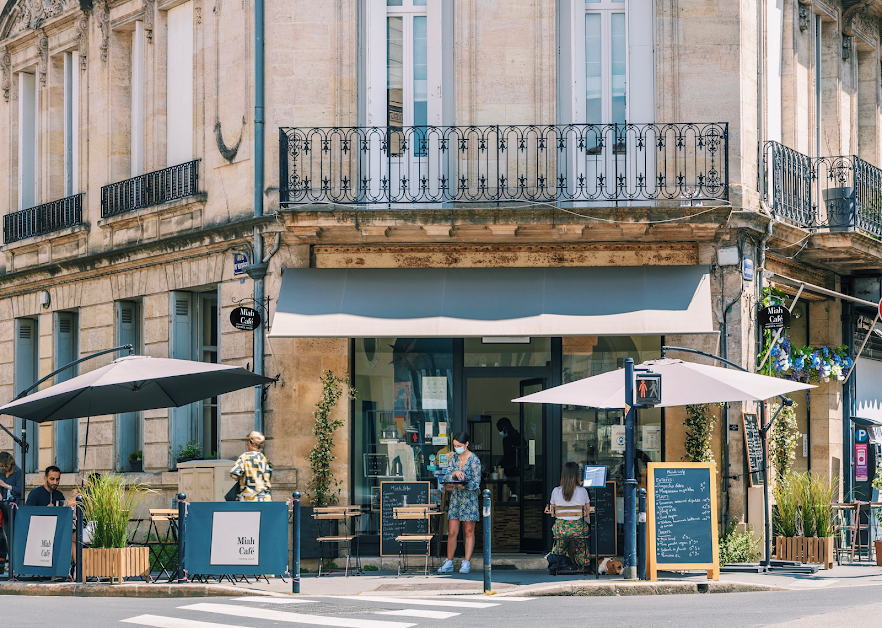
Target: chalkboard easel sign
{"x": 681, "y": 518}
{"x": 605, "y": 519}
{"x": 753, "y": 447}
{"x": 395, "y": 495}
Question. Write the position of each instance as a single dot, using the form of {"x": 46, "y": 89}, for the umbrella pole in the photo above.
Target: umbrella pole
{"x": 86, "y": 452}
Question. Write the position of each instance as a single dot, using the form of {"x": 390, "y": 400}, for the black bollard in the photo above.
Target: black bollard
{"x": 182, "y": 513}
{"x": 641, "y": 534}
{"x": 295, "y": 542}
{"x": 78, "y": 513}
{"x": 487, "y": 529}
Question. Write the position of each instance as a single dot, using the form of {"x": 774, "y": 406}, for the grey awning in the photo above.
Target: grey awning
{"x": 463, "y": 302}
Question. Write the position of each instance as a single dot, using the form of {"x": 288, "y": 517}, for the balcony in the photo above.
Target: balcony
{"x": 42, "y": 219}
{"x": 831, "y": 193}
{"x": 471, "y": 165}
{"x": 153, "y": 188}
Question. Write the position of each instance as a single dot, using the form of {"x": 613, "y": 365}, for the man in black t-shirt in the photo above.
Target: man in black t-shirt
{"x": 48, "y": 494}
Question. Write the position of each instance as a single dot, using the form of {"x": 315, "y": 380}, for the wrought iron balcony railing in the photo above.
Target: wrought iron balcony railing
{"x": 837, "y": 193}
{"x": 500, "y": 164}
{"x": 45, "y": 218}
{"x": 149, "y": 189}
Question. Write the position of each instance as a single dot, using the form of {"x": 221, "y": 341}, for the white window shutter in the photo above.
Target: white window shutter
{"x": 640, "y": 81}
{"x": 375, "y": 62}
{"x": 571, "y": 62}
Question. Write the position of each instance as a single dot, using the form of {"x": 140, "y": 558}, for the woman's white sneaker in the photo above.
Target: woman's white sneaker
{"x": 447, "y": 567}
{"x": 466, "y": 566}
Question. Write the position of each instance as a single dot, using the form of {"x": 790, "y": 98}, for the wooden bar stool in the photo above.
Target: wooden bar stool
{"x": 566, "y": 513}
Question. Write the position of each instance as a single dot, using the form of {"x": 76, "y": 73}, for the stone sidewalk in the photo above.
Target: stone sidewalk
{"x": 505, "y": 583}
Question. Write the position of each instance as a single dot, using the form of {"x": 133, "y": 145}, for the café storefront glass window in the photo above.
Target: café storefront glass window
{"x": 596, "y": 436}
{"x": 402, "y": 426}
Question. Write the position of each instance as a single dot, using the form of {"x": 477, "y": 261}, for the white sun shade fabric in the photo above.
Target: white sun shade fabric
{"x": 472, "y": 302}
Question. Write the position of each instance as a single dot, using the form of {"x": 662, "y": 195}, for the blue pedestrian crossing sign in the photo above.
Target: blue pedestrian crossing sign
{"x": 648, "y": 389}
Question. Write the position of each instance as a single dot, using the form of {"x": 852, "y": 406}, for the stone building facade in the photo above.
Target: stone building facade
{"x": 129, "y": 170}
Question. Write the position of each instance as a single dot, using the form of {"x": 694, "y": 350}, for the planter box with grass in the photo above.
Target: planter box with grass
{"x": 116, "y": 563}
{"x": 805, "y": 549}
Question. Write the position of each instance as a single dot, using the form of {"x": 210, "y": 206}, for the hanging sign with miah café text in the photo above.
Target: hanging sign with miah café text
{"x": 245, "y": 318}
{"x": 774, "y": 317}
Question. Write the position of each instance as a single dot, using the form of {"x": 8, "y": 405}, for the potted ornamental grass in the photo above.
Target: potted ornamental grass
{"x": 877, "y": 513}
{"x": 108, "y": 502}
{"x": 804, "y": 518}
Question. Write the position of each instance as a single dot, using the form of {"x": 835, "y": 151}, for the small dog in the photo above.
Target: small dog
{"x": 610, "y": 566}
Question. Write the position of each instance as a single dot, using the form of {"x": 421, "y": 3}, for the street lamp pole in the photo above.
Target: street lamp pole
{"x": 630, "y": 566}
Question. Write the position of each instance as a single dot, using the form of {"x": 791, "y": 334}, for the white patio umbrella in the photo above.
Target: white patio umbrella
{"x": 683, "y": 383}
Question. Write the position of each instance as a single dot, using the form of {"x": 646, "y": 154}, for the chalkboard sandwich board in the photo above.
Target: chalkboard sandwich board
{"x": 681, "y": 518}
{"x": 604, "y": 502}
{"x": 753, "y": 445}
{"x": 395, "y": 495}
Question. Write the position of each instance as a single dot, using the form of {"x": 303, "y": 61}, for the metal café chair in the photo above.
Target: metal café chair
{"x": 412, "y": 515}
{"x": 559, "y": 512}
{"x": 162, "y": 535}
{"x": 337, "y": 525}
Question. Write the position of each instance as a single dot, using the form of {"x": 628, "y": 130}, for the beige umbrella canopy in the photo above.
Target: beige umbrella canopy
{"x": 683, "y": 383}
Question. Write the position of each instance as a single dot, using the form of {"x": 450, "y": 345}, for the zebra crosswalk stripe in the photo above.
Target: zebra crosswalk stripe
{"x": 419, "y": 612}
{"x": 295, "y": 618}
{"x": 416, "y": 601}
{"x": 158, "y": 621}
{"x": 265, "y": 599}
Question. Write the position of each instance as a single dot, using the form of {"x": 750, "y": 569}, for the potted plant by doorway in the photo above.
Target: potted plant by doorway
{"x": 136, "y": 461}
{"x": 108, "y": 503}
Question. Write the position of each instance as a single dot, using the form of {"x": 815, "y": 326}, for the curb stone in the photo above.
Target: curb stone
{"x": 638, "y": 588}
{"x": 69, "y": 589}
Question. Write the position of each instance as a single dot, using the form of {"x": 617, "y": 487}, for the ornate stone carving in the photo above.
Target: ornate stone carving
{"x": 6, "y": 71}
{"x": 858, "y": 22}
{"x": 197, "y": 10}
{"x": 846, "y": 47}
{"x": 149, "y": 11}
{"x": 102, "y": 12}
{"x": 804, "y": 17}
{"x": 32, "y": 13}
{"x": 43, "y": 51}
{"x": 83, "y": 40}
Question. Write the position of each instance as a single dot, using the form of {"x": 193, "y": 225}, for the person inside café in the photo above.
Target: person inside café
{"x": 48, "y": 494}
{"x": 512, "y": 446}
{"x": 569, "y": 529}
{"x": 10, "y": 478}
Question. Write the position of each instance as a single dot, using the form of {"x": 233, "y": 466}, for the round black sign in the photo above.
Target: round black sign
{"x": 774, "y": 317}
{"x": 245, "y": 318}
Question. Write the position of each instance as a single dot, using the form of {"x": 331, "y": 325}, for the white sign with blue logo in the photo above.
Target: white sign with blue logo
{"x": 747, "y": 269}
{"x": 235, "y": 538}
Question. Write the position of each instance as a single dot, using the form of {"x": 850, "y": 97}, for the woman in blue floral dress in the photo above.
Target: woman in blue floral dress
{"x": 464, "y": 470}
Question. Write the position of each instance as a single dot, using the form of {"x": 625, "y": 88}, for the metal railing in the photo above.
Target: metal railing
{"x": 504, "y": 163}
{"x": 842, "y": 193}
{"x": 45, "y": 218}
{"x": 151, "y": 188}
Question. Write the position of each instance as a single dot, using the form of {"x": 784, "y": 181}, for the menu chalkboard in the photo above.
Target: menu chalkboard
{"x": 395, "y": 495}
{"x": 604, "y": 502}
{"x": 753, "y": 445}
{"x": 682, "y": 517}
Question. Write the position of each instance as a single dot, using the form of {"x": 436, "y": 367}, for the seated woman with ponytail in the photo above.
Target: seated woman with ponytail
{"x": 570, "y": 528}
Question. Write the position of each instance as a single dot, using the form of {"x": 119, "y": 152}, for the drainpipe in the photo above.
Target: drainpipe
{"x": 257, "y": 269}
{"x": 761, "y": 106}
{"x": 725, "y": 353}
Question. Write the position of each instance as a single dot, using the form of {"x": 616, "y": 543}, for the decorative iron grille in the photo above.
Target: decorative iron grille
{"x": 839, "y": 193}
{"x": 35, "y": 221}
{"x": 152, "y": 188}
{"x": 495, "y": 164}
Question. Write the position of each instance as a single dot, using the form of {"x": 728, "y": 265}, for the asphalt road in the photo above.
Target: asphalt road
{"x": 786, "y": 609}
